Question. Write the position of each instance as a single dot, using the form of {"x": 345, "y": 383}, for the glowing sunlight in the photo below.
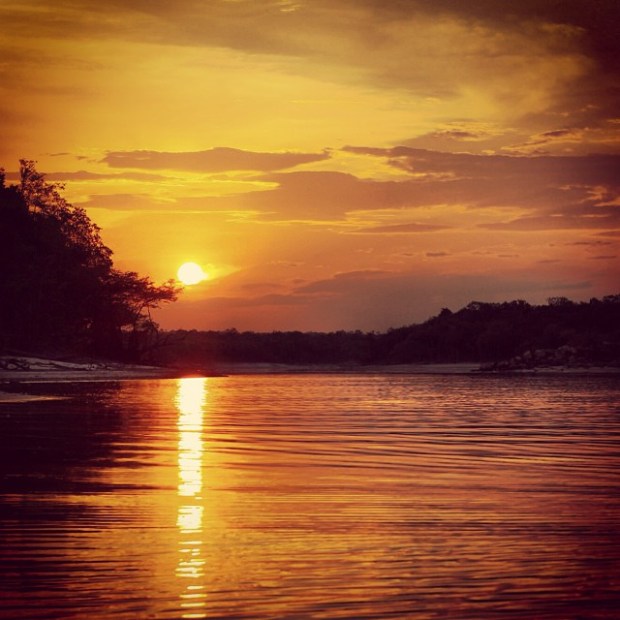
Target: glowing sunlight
{"x": 191, "y": 399}
{"x": 191, "y": 273}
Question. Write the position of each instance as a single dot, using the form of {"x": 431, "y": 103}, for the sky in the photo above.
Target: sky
{"x": 331, "y": 164}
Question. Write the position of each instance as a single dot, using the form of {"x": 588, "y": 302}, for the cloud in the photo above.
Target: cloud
{"x": 582, "y": 169}
{"x": 558, "y": 222}
{"x": 125, "y": 202}
{"x": 322, "y": 195}
{"x": 536, "y": 192}
{"x": 450, "y": 60}
{"x": 456, "y": 134}
{"x": 590, "y": 243}
{"x": 472, "y": 136}
{"x": 394, "y": 43}
{"x": 557, "y": 133}
{"x": 596, "y": 23}
{"x": 83, "y": 175}
{"x": 225, "y": 22}
{"x": 562, "y": 139}
{"x": 339, "y": 280}
{"x": 555, "y": 192}
{"x": 218, "y": 159}
{"x": 551, "y": 192}
{"x": 397, "y": 229}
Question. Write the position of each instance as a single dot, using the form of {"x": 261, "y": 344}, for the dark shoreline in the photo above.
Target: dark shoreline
{"x": 14, "y": 383}
{"x": 33, "y": 369}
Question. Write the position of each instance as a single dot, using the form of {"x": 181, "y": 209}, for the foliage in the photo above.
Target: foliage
{"x": 58, "y": 284}
{"x": 196, "y": 348}
{"x": 582, "y": 333}
{"x": 491, "y": 332}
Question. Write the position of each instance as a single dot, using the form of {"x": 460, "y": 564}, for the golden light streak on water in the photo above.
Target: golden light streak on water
{"x": 191, "y": 400}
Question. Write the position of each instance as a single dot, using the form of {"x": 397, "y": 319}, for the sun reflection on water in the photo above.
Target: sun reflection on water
{"x": 191, "y": 400}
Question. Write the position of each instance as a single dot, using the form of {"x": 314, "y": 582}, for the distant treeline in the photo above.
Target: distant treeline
{"x": 582, "y": 332}
{"x": 59, "y": 290}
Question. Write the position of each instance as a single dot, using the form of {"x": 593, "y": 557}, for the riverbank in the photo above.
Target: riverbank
{"x": 37, "y": 369}
{"x": 17, "y": 372}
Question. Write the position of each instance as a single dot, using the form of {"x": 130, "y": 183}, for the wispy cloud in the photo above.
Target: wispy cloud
{"x": 84, "y": 175}
{"x": 554, "y": 192}
{"x": 399, "y": 229}
{"x": 218, "y": 159}
{"x": 606, "y": 219}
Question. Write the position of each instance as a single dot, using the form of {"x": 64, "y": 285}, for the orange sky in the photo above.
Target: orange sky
{"x": 332, "y": 164}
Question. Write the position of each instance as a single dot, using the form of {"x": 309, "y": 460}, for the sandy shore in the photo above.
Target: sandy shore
{"x": 11, "y": 397}
{"x": 37, "y": 369}
{"x": 96, "y": 374}
{"x": 17, "y": 372}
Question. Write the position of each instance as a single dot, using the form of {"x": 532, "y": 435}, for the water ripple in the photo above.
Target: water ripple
{"x": 314, "y": 496}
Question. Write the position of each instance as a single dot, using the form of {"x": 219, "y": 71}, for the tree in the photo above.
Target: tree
{"x": 58, "y": 284}
{"x": 124, "y": 325}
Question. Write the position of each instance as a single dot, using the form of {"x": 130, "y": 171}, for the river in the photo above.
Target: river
{"x": 313, "y": 496}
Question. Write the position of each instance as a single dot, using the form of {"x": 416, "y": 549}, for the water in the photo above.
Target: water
{"x": 313, "y": 496}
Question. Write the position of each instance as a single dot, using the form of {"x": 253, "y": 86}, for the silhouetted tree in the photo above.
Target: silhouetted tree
{"x": 58, "y": 286}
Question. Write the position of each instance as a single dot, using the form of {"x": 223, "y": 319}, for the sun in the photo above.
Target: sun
{"x": 191, "y": 273}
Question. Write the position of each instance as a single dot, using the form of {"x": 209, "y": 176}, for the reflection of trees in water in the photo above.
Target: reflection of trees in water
{"x": 50, "y": 454}
{"x": 56, "y": 446}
